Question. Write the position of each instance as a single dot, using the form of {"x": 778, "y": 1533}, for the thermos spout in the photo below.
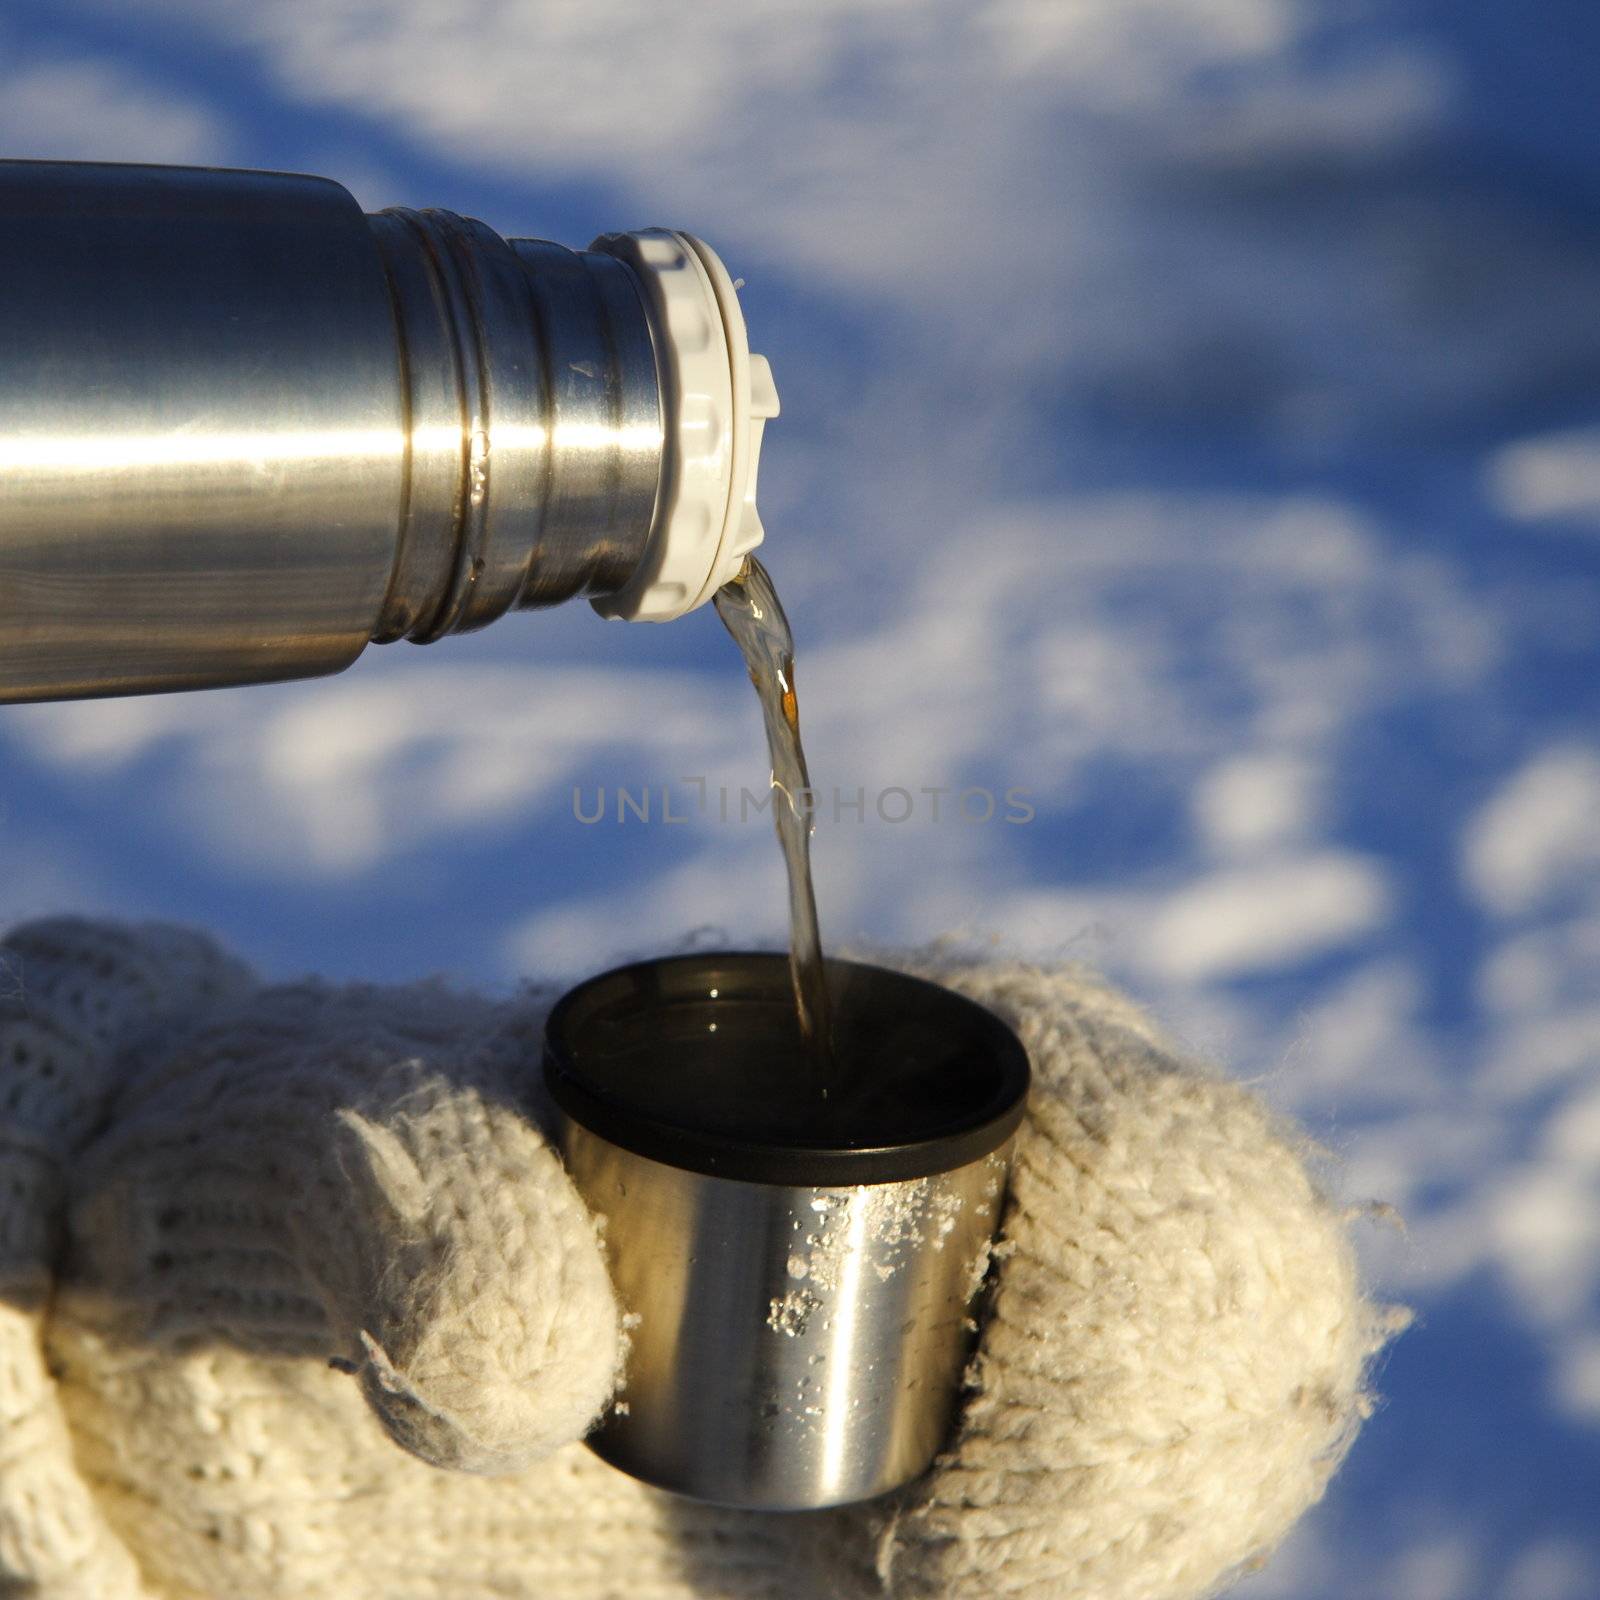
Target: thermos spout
{"x": 245, "y": 429}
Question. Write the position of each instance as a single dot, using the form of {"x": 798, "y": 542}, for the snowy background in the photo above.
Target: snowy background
{"x": 1191, "y": 417}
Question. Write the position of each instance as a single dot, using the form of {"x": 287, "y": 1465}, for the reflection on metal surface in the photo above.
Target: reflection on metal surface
{"x": 796, "y": 1347}
{"x": 838, "y": 1419}
{"x": 120, "y": 452}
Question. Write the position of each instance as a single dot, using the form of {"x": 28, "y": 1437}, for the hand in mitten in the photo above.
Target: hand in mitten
{"x": 296, "y": 1300}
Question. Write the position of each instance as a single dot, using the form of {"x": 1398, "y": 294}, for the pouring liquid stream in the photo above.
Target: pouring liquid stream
{"x": 749, "y": 608}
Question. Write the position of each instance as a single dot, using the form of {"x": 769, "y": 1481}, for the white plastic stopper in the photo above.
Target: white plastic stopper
{"x": 716, "y": 397}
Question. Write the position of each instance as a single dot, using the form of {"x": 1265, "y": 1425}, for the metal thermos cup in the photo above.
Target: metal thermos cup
{"x": 803, "y": 1269}
{"x": 245, "y": 429}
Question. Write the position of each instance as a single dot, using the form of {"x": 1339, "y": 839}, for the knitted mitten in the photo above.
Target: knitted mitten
{"x": 273, "y": 1258}
{"x": 72, "y": 995}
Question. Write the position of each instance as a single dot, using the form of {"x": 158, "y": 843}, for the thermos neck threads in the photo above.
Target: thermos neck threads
{"x": 533, "y": 418}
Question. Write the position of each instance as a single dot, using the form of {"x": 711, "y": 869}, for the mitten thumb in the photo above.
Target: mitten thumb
{"x": 467, "y": 1285}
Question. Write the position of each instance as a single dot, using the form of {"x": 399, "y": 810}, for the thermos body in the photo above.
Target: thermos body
{"x": 202, "y": 428}
{"x": 246, "y": 428}
{"x": 797, "y": 1346}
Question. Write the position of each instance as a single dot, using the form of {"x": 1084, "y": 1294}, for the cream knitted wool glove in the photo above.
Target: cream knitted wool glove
{"x": 308, "y": 1247}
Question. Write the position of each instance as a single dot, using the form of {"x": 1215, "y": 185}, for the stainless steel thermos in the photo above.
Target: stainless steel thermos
{"x": 245, "y": 428}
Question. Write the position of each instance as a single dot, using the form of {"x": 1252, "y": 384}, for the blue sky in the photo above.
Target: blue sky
{"x": 1191, "y": 417}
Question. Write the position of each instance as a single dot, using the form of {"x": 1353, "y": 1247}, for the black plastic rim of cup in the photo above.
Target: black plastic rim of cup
{"x": 928, "y": 1079}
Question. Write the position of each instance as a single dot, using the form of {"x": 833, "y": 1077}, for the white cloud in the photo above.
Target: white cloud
{"x": 784, "y": 101}
{"x": 1539, "y": 834}
{"x": 1362, "y": 1046}
{"x": 1543, "y": 971}
{"x": 1578, "y": 1388}
{"x": 88, "y": 110}
{"x": 1367, "y": 108}
{"x": 1268, "y": 798}
{"x": 1553, "y": 476}
{"x": 1443, "y": 1567}
{"x": 1543, "y": 1051}
{"x": 1545, "y": 1222}
{"x": 1555, "y": 1569}
{"x": 576, "y": 938}
{"x": 338, "y": 777}
{"x": 1267, "y": 916}
{"x": 1001, "y": 183}
{"x": 1098, "y": 927}
{"x": 1132, "y": 53}
{"x": 1573, "y": 1137}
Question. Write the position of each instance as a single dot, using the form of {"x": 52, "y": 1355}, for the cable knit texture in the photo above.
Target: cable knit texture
{"x": 297, "y": 1301}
